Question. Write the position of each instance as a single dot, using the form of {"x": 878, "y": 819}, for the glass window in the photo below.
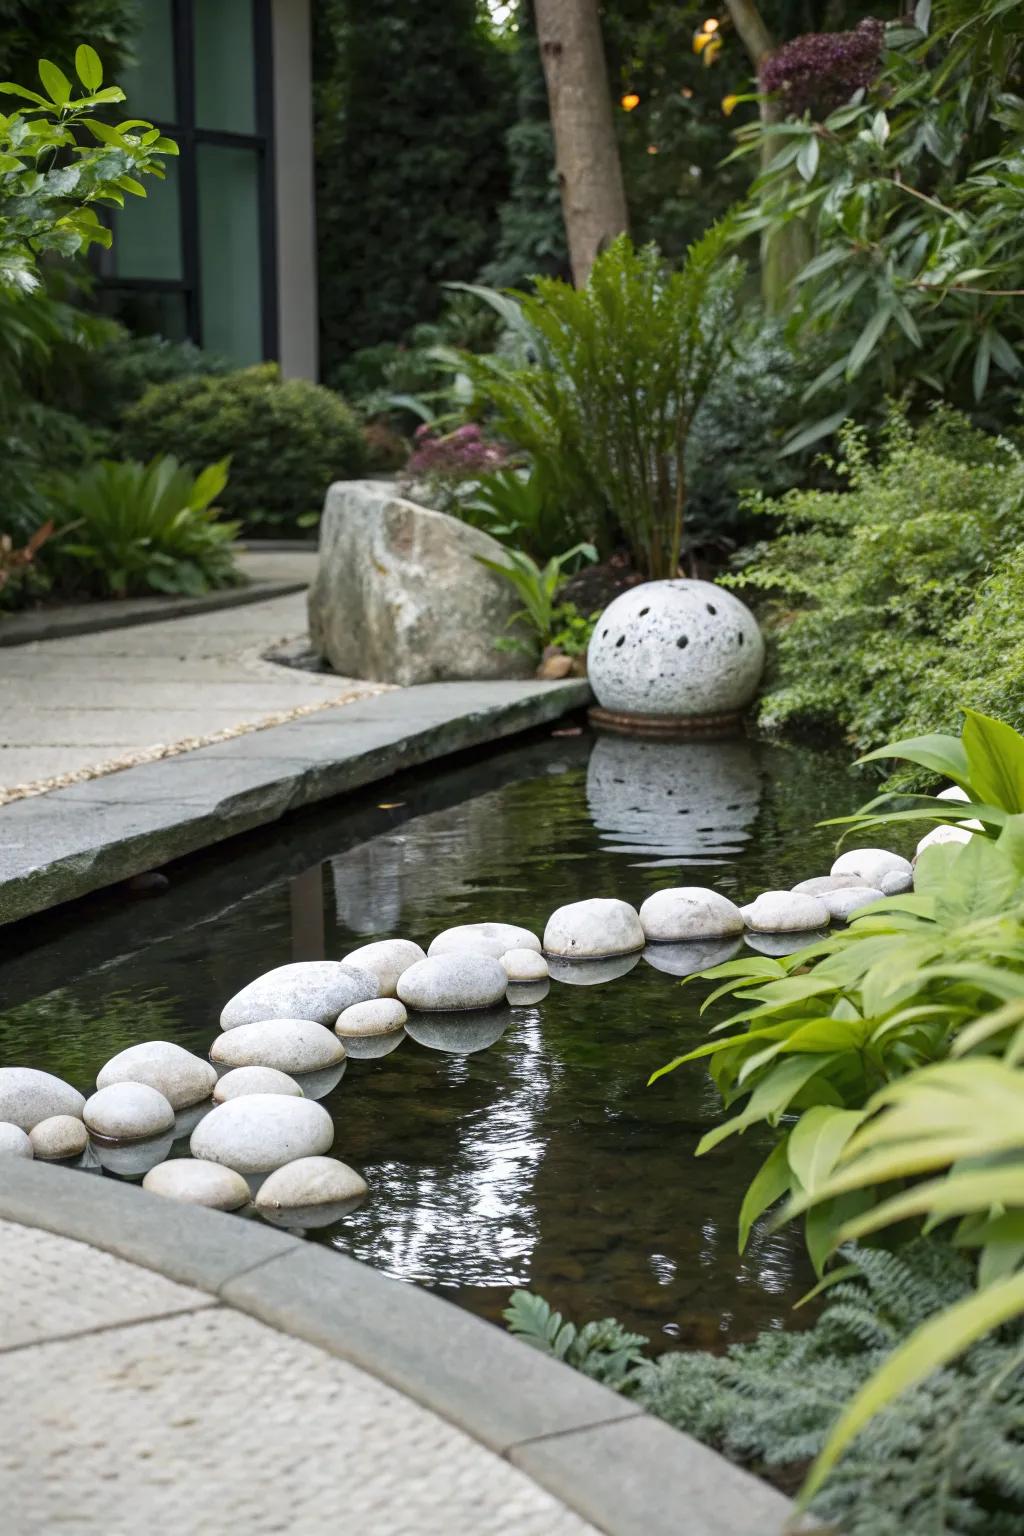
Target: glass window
{"x": 148, "y": 312}
{"x": 225, "y": 66}
{"x": 147, "y": 234}
{"x": 149, "y": 83}
{"x": 229, "y": 251}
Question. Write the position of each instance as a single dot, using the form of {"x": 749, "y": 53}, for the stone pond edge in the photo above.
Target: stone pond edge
{"x": 137, "y": 834}
{"x": 623, "y": 1471}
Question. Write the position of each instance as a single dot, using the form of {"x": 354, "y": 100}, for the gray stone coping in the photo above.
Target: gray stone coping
{"x": 123, "y": 613}
{"x": 627, "y": 1473}
{"x": 62, "y": 845}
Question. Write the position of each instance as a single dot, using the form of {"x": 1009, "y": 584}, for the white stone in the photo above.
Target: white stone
{"x": 896, "y": 883}
{"x": 289, "y": 1045}
{"x": 843, "y": 904}
{"x": 676, "y": 648}
{"x": 492, "y": 939}
{"x": 959, "y": 833}
{"x": 127, "y": 1112}
{"x": 307, "y": 989}
{"x": 593, "y": 929}
{"x": 13, "y": 1141}
{"x": 28, "y": 1096}
{"x": 182, "y": 1078}
{"x": 822, "y": 884}
{"x": 195, "y": 1182}
{"x": 400, "y": 595}
{"x": 688, "y": 912}
{"x": 784, "y": 912}
{"x": 242, "y": 1080}
{"x": 59, "y": 1138}
{"x": 453, "y": 982}
{"x": 262, "y": 1131}
{"x": 870, "y": 864}
{"x": 380, "y": 1016}
{"x": 311, "y": 1192}
{"x": 524, "y": 965}
{"x": 386, "y": 960}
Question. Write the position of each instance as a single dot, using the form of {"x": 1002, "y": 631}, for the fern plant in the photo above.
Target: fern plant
{"x": 605, "y": 382}
{"x": 137, "y": 528}
{"x": 943, "y": 1460}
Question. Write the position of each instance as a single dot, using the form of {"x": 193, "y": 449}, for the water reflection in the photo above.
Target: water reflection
{"x": 592, "y": 973}
{"x": 459, "y": 1034}
{"x": 688, "y": 959}
{"x": 676, "y": 802}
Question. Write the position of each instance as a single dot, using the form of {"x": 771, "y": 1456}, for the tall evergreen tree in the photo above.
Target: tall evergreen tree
{"x": 414, "y": 98}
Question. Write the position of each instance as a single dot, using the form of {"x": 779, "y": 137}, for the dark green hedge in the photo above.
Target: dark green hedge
{"x": 287, "y": 441}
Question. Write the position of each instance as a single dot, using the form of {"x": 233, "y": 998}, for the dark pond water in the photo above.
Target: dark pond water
{"x": 542, "y": 1160}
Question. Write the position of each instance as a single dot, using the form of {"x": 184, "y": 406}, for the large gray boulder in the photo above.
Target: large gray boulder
{"x": 399, "y": 597}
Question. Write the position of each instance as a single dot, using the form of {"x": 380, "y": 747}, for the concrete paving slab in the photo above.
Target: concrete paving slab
{"x": 59, "y": 846}
{"x": 53, "y": 1287}
{"x": 211, "y": 1422}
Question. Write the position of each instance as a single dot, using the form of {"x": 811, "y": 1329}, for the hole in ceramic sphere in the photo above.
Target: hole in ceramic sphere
{"x": 620, "y": 642}
{"x": 670, "y": 791}
{"x": 683, "y": 642}
{"x": 711, "y": 608}
{"x": 740, "y": 639}
{"x": 644, "y": 612}
{"x": 604, "y": 634}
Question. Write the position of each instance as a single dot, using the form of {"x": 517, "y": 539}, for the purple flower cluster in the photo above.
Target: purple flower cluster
{"x": 458, "y": 455}
{"x": 821, "y": 70}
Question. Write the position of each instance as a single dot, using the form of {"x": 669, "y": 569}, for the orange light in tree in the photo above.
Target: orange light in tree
{"x": 711, "y": 25}
{"x": 630, "y": 101}
{"x": 652, "y": 149}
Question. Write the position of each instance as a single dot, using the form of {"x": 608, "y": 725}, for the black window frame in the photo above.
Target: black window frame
{"x": 189, "y": 136}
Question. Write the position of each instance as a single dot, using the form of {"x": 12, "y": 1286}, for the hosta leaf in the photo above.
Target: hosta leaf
{"x": 816, "y": 1141}
{"x": 767, "y": 1186}
{"x": 945, "y": 755}
{"x": 995, "y": 758}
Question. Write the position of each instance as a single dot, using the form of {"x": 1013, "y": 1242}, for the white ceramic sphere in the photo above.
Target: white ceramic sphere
{"x": 676, "y": 648}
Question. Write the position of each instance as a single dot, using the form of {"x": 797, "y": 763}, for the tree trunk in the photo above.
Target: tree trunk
{"x": 587, "y": 153}
{"x": 786, "y": 250}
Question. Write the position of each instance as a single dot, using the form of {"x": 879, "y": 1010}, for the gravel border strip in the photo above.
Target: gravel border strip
{"x": 161, "y": 750}
{"x": 628, "y": 1474}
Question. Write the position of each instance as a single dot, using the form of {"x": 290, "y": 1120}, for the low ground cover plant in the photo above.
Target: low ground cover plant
{"x": 287, "y": 441}
{"x": 870, "y": 593}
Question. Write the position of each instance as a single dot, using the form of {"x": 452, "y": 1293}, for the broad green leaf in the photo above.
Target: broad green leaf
{"x": 939, "y": 753}
{"x": 88, "y": 67}
{"x": 867, "y": 341}
{"x": 770, "y": 1099}
{"x": 935, "y": 1343}
{"x": 769, "y": 1184}
{"x": 807, "y": 159}
{"x": 941, "y": 1199}
{"x": 816, "y": 1141}
{"x": 824, "y": 1222}
{"x": 55, "y": 83}
{"x": 995, "y": 757}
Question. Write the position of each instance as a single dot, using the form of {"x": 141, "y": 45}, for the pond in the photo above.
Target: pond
{"x": 542, "y": 1158}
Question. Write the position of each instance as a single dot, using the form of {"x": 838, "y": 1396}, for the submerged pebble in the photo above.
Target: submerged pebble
{"x": 449, "y": 982}
{"x": 127, "y": 1112}
{"x": 785, "y": 912}
{"x": 14, "y": 1141}
{"x": 593, "y": 929}
{"x": 262, "y": 1131}
{"x": 195, "y": 1182}
{"x": 307, "y": 989}
{"x": 386, "y": 960}
{"x": 182, "y": 1078}
{"x": 310, "y": 1192}
{"x": 59, "y": 1138}
{"x": 689, "y": 912}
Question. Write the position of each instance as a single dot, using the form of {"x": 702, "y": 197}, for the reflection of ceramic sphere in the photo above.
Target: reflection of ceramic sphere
{"x": 675, "y": 648}
{"x": 673, "y": 800}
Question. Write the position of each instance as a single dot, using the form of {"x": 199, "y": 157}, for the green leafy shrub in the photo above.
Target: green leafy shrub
{"x": 540, "y": 616}
{"x": 107, "y": 380}
{"x": 137, "y": 528}
{"x": 943, "y": 1460}
{"x": 865, "y": 588}
{"x": 608, "y": 382}
{"x": 286, "y": 441}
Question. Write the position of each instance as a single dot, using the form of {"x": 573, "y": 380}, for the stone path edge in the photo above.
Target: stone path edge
{"x": 627, "y": 1473}
{"x": 280, "y": 769}
{"x": 125, "y": 613}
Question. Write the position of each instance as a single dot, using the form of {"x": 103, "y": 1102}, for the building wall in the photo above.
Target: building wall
{"x": 294, "y": 188}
